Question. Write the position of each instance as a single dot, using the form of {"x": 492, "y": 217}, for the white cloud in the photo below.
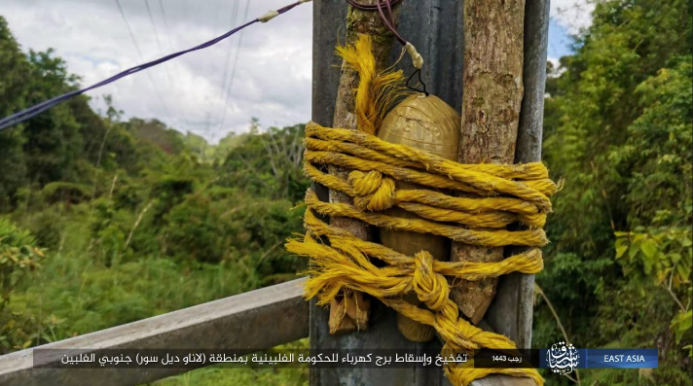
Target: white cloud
{"x": 572, "y": 14}
{"x": 555, "y": 61}
{"x": 272, "y": 79}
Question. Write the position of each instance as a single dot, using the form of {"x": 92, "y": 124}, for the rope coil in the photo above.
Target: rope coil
{"x": 495, "y": 196}
{"x": 505, "y": 194}
{"x": 340, "y": 260}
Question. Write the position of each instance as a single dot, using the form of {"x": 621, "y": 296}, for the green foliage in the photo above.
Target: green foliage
{"x": 268, "y": 164}
{"x": 250, "y": 374}
{"x": 139, "y": 219}
{"x": 222, "y": 224}
{"x": 53, "y": 141}
{"x": 618, "y": 130}
{"x": 66, "y": 192}
{"x": 155, "y": 132}
{"x": 663, "y": 254}
{"x": 682, "y": 324}
{"x": 18, "y": 255}
{"x": 16, "y": 73}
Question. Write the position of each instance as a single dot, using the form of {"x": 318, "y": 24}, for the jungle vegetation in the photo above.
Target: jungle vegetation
{"x": 105, "y": 221}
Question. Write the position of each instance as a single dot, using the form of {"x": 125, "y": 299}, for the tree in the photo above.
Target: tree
{"x": 16, "y": 74}
{"x": 618, "y": 130}
{"x": 268, "y": 164}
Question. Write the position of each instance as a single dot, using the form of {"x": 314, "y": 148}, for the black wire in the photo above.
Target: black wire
{"x": 151, "y": 21}
{"x": 417, "y": 72}
{"x": 390, "y": 24}
{"x": 139, "y": 53}
{"x": 168, "y": 30}
{"x": 233, "y": 69}
{"x": 227, "y": 59}
{"x": 158, "y": 40}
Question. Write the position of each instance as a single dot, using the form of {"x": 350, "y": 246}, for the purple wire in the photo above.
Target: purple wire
{"x": 34, "y": 110}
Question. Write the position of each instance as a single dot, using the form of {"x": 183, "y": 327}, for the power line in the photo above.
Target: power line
{"x": 151, "y": 20}
{"x": 156, "y": 34}
{"x": 235, "y": 64}
{"x": 219, "y": 20}
{"x": 38, "y": 108}
{"x": 213, "y": 25}
{"x": 139, "y": 53}
{"x": 227, "y": 60}
{"x": 132, "y": 36}
{"x": 168, "y": 35}
{"x": 168, "y": 30}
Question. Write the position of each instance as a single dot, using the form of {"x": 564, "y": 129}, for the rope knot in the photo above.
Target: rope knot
{"x": 430, "y": 287}
{"x": 372, "y": 191}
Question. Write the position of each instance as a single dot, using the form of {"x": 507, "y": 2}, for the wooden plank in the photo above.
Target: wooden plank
{"x": 237, "y": 322}
{"x": 511, "y": 311}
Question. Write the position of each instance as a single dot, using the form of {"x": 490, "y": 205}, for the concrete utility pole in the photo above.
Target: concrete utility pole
{"x": 435, "y": 27}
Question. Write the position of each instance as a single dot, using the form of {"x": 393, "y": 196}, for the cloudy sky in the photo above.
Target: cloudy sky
{"x": 267, "y": 71}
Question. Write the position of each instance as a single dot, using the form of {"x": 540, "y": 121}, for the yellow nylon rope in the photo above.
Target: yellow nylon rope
{"x": 495, "y": 196}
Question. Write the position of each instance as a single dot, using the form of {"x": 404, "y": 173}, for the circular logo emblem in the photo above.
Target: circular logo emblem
{"x": 562, "y": 359}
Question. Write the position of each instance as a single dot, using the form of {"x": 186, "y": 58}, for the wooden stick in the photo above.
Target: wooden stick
{"x": 511, "y": 311}
{"x": 350, "y": 311}
{"x": 492, "y": 97}
{"x": 491, "y": 102}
